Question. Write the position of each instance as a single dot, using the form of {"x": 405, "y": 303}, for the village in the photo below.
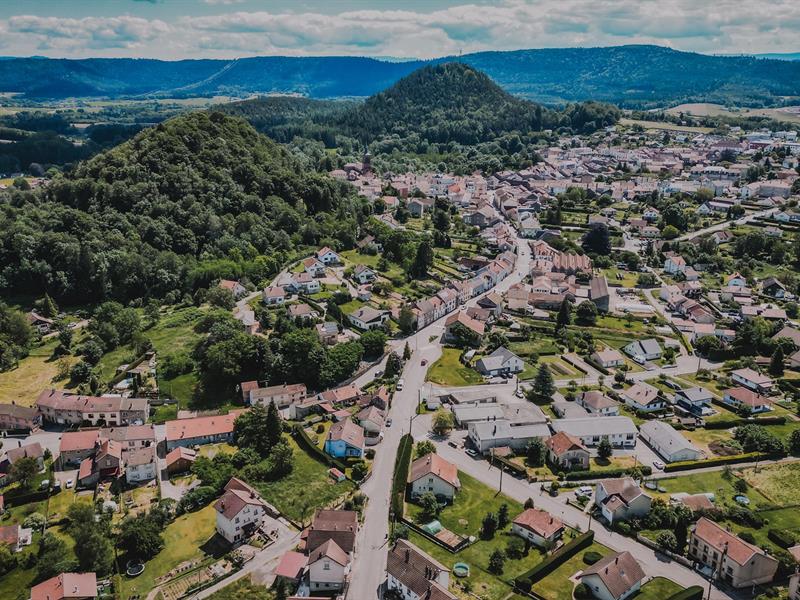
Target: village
{"x": 586, "y": 387}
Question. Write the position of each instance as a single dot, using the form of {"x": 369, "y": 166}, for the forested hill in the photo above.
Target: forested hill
{"x": 195, "y": 198}
{"x": 632, "y": 76}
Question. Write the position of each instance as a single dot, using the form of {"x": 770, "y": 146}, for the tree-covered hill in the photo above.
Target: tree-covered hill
{"x": 200, "y": 196}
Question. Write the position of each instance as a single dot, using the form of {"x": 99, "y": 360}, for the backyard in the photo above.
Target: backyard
{"x": 557, "y": 585}
{"x": 449, "y": 371}
{"x": 37, "y": 372}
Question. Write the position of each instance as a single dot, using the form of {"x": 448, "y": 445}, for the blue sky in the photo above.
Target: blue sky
{"x": 177, "y": 29}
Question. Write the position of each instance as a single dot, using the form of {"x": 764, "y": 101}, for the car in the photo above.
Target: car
{"x": 378, "y": 373}
{"x": 423, "y": 362}
{"x": 400, "y": 384}
{"x": 519, "y": 393}
{"x": 70, "y": 483}
{"x": 452, "y": 444}
{"x": 389, "y": 422}
{"x": 471, "y": 452}
{"x": 45, "y": 484}
{"x": 584, "y": 490}
{"x": 658, "y": 465}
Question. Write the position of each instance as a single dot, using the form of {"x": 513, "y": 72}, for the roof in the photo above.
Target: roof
{"x": 641, "y": 393}
{"x": 85, "y": 470}
{"x": 291, "y": 565}
{"x": 341, "y": 394}
{"x": 63, "y": 400}
{"x": 593, "y": 426}
{"x": 237, "y": 495}
{"x": 30, "y": 451}
{"x": 538, "y": 521}
{"x": 19, "y": 412}
{"x": 609, "y": 355}
{"x": 467, "y": 321}
{"x": 719, "y": 538}
{"x": 696, "y": 394}
{"x": 412, "y": 567}
{"x": 626, "y": 490}
{"x": 697, "y": 502}
{"x": 9, "y": 535}
{"x": 751, "y": 375}
{"x": 66, "y": 585}
{"x": 129, "y": 433}
{"x": 597, "y": 400}
{"x": 497, "y": 359}
{"x": 563, "y": 442}
{"x": 79, "y": 440}
{"x": 502, "y": 429}
{"x": 141, "y": 456}
{"x": 329, "y": 549}
{"x": 187, "y": 429}
{"x": 348, "y": 432}
{"x": 180, "y": 453}
{"x": 367, "y": 314}
{"x": 747, "y": 397}
{"x": 618, "y": 572}
{"x": 665, "y": 436}
{"x": 339, "y": 525}
{"x": 435, "y": 465}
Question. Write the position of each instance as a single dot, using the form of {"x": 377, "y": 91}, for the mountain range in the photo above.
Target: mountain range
{"x": 631, "y": 76}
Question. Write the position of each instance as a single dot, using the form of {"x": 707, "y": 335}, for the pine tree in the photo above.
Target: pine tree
{"x": 406, "y": 352}
{"x": 49, "y": 307}
{"x": 776, "y": 363}
{"x": 604, "y": 449}
{"x": 564, "y": 316}
{"x": 406, "y": 320}
{"x": 274, "y": 426}
{"x": 543, "y": 386}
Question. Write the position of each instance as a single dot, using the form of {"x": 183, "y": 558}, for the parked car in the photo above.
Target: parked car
{"x": 452, "y": 444}
{"x": 471, "y": 452}
{"x": 423, "y": 362}
{"x": 45, "y": 484}
{"x": 519, "y": 393}
{"x": 658, "y": 465}
{"x": 584, "y": 490}
{"x": 389, "y": 422}
{"x": 70, "y": 483}
{"x": 400, "y": 384}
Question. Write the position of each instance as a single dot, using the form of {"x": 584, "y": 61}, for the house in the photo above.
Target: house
{"x": 415, "y": 575}
{"x": 328, "y": 257}
{"x": 674, "y": 265}
{"x": 65, "y": 408}
{"x": 731, "y": 559}
{"x": 620, "y": 431}
{"x": 643, "y": 350}
{"x": 282, "y": 395}
{"x": 486, "y": 435}
{"x": 474, "y": 412}
{"x": 608, "y": 358}
{"x": 432, "y": 473}
{"x": 752, "y": 380}
{"x": 132, "y": 437}
{"x": 14, "y": 417}
{"x": 313, "y": 267}
{"x": 695, "y": 400}
{"x": 273, "y": 296}
{"x": 234, "y": 287}
{"x": 301, "y": 311}
{"x": 736, "y": 280}
{"x": 33, "y": 450}
{"x": 76, "y": 446}
{"x": 492, "y": 302}
{"x": 499, "y": 362}
{"x": 599, "y": 294}
{"x": 363, "y": 274}
{"x": 462, "y": 318}
{"x": 644, "y": 397}
{"x": 345, "y": 394}
{"x": 567, "y": 452}
{"x": 180, "y": 460}
{"x": 366, "y": 318}
{"x": 597, "y": 403}
{"x": 651, "y": 214}
{"x": 745, "y": 399}
{"x": 200, "y": 430}
{"x": 328, "y": 566}
{"x": 240, "y": 511}
{"x": 669, "y": 443}
{"x": 340, "y": 526}
{"x": 345, "y": 439}
{"x": 621, "y": 499}
{"x": 614, "y": 577}
{"x": 107, "y": 461}
{"x": 307, "y": 284}
{"x": 42, "y": 324}
{"x": 772, "y": 287}
{"x": 328, "y": 332}
{"x": 371, "y": 420}
{"x": 291, "y": 567}
{"x": 66, "y": 586}
{"x": 15, "y": 537}
{"x": 141, "y": 465}
{"x": 538, "y": 527}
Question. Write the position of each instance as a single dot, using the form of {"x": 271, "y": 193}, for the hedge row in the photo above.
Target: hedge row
{"x": 301, "y": 437}
{"x": 694, "y": 592}
{"x": 20, "y": 499}
{"x": 713, "y": 462}
{"x": 401, "y": 465}
{"x": 728, "y": 423}
{"x": 783, "y": 538}
{"x": 552, "y": 562}
{"x": 513, "y": 467}
{"x": 606, "y": 474}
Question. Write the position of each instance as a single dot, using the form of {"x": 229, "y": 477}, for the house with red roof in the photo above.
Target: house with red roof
{"x": 71, "y": 586}
{"x": 432, "y": 473}
{"x": 240, "y": 511}
{"x": 538, "y": 527}
{"x": 200, "y": 430}
{"x": 567, "y": 451}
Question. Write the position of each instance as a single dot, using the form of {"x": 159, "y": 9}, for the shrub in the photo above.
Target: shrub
{"x": 781, "y": 537}
{"x": 591, "y": 557}
{"x": 747, "y": 537}
{"x": 582, "y": 591}
{"x": 694, "y": 592}
{"x": 554, "y": 560}
{"x": 712, "y": 462}
{"x": 34, "y": 521}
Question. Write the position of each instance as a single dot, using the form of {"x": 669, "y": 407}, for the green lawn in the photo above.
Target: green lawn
{"x": 538, "y": 346}
{"x": 307, "y": 488}
{"x": 557, "y": 585}
{"x": 35, "y": 373}
{"x": 558, "y": 367}
{"x": 778, "y": 483}
{"x": 449, "y": 371}
{"x": 658, "y": 588}
{"x": 714, "y": 482}
{"x": 784, "y": 519}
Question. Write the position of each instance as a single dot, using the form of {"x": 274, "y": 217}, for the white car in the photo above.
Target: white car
{"x": 585, "y": 490}
{"x": 658, "y": 465}
{"x": 389, "y": 422}
{"x": 69, "y": 483}
{"x": 400, "y": 384}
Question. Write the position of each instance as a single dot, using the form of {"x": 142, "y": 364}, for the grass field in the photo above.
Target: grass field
{"x": 449, "y": 371}
{"x": 35, "y": 373}
{"x": 557, "y": 585}
{"x": 658, "y": 588}
{"x": 779, "y": 483}
{"x": 714, "y": 110}
{"x": 541, "y": 346}
{"x": 244, "y": 588}
{"x": 308, "y": 487}
{"x": 558, "y": 367}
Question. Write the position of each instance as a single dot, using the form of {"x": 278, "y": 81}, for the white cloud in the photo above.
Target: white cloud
{"x": 725, "y": 26}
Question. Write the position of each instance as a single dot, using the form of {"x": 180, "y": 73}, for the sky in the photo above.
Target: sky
{"x": 180, "y": 29}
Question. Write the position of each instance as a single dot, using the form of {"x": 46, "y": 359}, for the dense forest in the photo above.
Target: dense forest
{"x": 183, "y": 203}
{"x": 634, "y": 76}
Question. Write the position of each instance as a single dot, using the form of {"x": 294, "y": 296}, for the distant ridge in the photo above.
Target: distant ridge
{"x": 633, "y": 76}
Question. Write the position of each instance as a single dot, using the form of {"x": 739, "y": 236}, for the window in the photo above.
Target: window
{"x": 326, "y": 566}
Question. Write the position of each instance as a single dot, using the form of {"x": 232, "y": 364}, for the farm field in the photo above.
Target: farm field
{"x": 35, "y": 373}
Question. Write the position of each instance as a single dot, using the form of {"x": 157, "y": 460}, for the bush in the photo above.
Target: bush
{"x": 582, "y": 591}
{"x": 712, "y": 462}
{"x": 554, "y": 560}
{"x": 694, "y": 592}
{"x": 34, "y": 521}
{"x": 747, "y": 537}
{"x": 591, "y": 557}
{"x": 401, "y": 465}
{"x": 781, "y": 537}
{"x": 610, "y": 473}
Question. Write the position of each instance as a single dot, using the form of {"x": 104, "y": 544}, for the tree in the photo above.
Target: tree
{"x": 708, "y": 345}
{"x": 442, "y": 421}
{"x": 393, "y": 365}
{"x": 250, "y": 430}
{"x": 406, "y": 351}
{"x": 597, "y": 240}
{"x": 274, "y": 426}
{"x": 794, "y": 442}
{"x": 462, "y": 336}
{"x": 221, "y": 298}
{"x": 373, "y": 341}
{"x": 488, "y": 526}
{"x": 586, "y": 313}
{"x": 426, "y": 447}
{"x": 564, "y": 316}
{"x": 8, "y": 560}
{"x": 667, "y": 540}
{"x": 740, "y": 485}
{"x": 502, "y": 516}
{"x": 497, "y": 562}
{"x": 54, "y": 557}
{"x": 423, "y": 259}
{"x": 140, "y": 537}
{"x": 670, "y": 232}
{"x": 430, "y": 505}
{"x": 776, "y": 362}
{"x": 49, "y": 307}
{"x": 406, "y": 320}
{"x": 604, "y": 449}
{"x": 536, "y": 452}
{"x": 543, "y": 388}
{"x": 24, "y": 470}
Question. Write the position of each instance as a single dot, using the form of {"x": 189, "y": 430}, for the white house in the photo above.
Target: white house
{"x": 674, "y": 265}
{"x": 273, "y": 296}
{"x": 499, "y": 362}
{"x": 240, "y": 511}
{"x": 669, "y": 443}
{"x": 614, "y": 577}
{"x": 619, "y": 430}
{"x": 328, "y": 256}
{"x": 313, "y": 267}
{"x": 415, "y": 574}
{"x": 328, "y": 566}
{"x": 608, "y": 358}
{"x": 597, "y": 403}
{"x": 752, "y": 380}
{"x": 644, "y": 397}
{"x": 486, "y": 435}
{"x": 363, "y": 274}
{"x": 140, "y": 465}
{"x": 367, "y": 317}
{"x": 621, "y": 499}
{"x": 643, "y": 350}
{"x": 740, "y": 397}
{"x": 538, "y": 527}
{"x": 432, "y": 473}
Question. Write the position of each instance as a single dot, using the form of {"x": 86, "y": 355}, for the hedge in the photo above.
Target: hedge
{"x": 694, "y": 592}
{"x": 728, "y": 423}
{"x": 783, "y": 538}
{"x": 606, "y": 474}
{"x": 514, "y": 468}
{"x": 713, "y": 462}
{"x": 302, "y": 439}
{"x": 401, "y": 465}
{"x": 20, "y": 499}
{"x": 555, "y": 560}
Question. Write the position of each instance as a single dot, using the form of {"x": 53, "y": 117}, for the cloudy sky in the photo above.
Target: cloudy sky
{"x": 176, "y": 29}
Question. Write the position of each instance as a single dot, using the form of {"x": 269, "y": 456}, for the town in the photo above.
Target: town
{"x": 586, "y": 387}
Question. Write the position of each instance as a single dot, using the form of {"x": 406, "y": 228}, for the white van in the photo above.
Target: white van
{"x": 400, "y": 383}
